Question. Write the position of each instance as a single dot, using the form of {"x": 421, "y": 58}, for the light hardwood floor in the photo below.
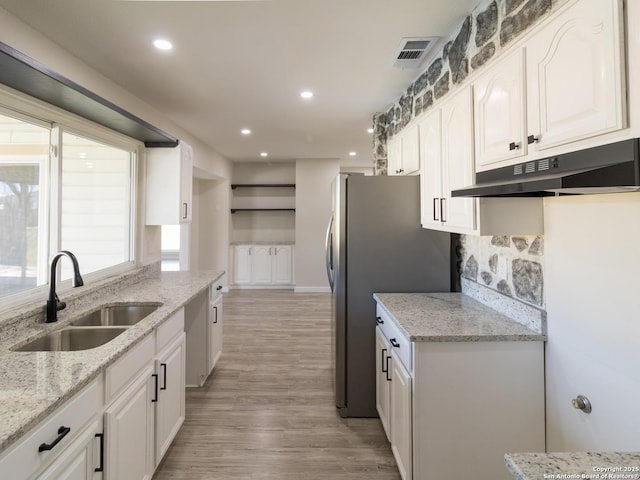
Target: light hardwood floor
{"x": 267, "y": 412}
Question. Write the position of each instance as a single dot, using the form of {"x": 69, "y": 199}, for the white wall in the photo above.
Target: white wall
{"x": 210, "y": 242}
{"x": 313, "y": 210}
{"x": 592, "y": 261}
{"x": 207, "y": 161}
{"x": 263, "y": 226}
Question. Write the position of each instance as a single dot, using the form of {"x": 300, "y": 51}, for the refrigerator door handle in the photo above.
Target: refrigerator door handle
{"x": 329, "y": 253}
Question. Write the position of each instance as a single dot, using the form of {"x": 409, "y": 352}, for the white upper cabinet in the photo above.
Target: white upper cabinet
{"x": 403, "y": 152}
{"x": 457, "y": 158}
{"x": 575, "y": 75}
{"x": 499, "y": 107}
{"x": 169, "y": 185}
{"x": 563, "y": 85}
{"x": 431, "y": 178}
{"x": 446, "y": 147}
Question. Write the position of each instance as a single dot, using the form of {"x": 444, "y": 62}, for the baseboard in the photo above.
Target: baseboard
{"x": 261, "y": 287}
{"x": 312, "y": 290}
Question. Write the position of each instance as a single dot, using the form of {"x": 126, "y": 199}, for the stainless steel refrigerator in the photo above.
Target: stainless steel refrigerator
{"x": 375, "y": 243}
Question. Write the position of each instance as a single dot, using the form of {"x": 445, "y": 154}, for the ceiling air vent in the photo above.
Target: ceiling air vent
{"x": 413, "y": 51}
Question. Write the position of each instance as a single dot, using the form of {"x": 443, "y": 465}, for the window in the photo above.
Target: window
{"x": 24, "y": 150}
{"x": 95, "y": 204}
{"x": 77, "y": 196}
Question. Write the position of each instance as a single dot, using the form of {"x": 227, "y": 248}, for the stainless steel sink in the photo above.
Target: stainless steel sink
{"x": 116, "y": 315}
{"x": 72, "y": 339}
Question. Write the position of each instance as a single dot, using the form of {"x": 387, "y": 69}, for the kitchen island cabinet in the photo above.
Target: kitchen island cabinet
{"x": 467, "y": 386}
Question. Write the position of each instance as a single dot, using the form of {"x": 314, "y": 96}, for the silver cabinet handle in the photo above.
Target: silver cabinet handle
{"x": 443, "y": 205}
{"x": 582, "y": 403}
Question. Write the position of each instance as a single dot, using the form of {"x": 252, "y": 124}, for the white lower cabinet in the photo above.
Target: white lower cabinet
{"x": 261, "y": 266}
{"x": 204, "y": 318}
{"x": 453, "y": 409}
{"x": 63, "y": 445}
{"x": 129, "y": 432}
{"x": 170, "y": 405}
{"x": 400, "y": 415}
{"x": 216, "y": 318}
{"x": 383, "y": 380}
{"x": 141, "y": 422}
{"x": 82, "y": 459}
{"x": 121, "y": 424}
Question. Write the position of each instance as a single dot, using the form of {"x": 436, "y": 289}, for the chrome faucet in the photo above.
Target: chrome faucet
{"x": 53, "y": 303}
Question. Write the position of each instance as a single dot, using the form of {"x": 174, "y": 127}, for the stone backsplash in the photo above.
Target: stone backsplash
{"x": 512, "y": 266}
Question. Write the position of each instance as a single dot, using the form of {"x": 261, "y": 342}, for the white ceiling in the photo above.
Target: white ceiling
{"x": 238, "y": 64}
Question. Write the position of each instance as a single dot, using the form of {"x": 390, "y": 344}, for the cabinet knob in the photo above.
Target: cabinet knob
{"x": 582, "y": 403}
{"x": 514, "y": 146}
{"x": 532, "y": 139}
{"x": 394, "y": 342}
{"x": 379, "y": 321}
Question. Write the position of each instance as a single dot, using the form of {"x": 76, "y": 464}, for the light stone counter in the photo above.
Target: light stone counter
{"x": 34, "y": 384}
{"x": 451, "y": 317}
{"x": 538, "y": 466}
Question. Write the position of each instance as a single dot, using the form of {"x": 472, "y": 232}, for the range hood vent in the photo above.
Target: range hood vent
{"x": 611, "y": 168}
{"x": 413, "y": 51}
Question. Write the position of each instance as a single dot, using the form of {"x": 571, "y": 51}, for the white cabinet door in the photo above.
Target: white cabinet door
{"x": 401, "y": 417}
{"x": 499, "y": 108}
{"x": 457, "y": 159}
{"x": 129, "y": 432}
{"x": 394, "y": 155}
{"x": 81, "y": 459}
{"x": 383, "y": 380}
{"x": 216, "y": 321}
{"x": 242, "y": 264}
{"x": 169, "y": 177}
{"x": 261, "y": 265}
{"x": 410, "y": 151}
{"x": 574, "y": 75}
{"x": 186, "y": 183}
{"x": 282, "y": 265}
{"x": 170, "y": 407}
{"x": 431, "y": 178}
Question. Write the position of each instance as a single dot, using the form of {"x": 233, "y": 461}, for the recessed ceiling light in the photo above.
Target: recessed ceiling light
{"x": 162, "y": 44}
{"x": 306, "y": 94}
{"x": 245, "y": 131}
{"x": 369, "y": 130}
{"x": 263, "y": 154}
{"x": 352, "y": 154}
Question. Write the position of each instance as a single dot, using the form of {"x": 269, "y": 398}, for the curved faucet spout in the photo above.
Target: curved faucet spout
{"x": 53, "y": 303}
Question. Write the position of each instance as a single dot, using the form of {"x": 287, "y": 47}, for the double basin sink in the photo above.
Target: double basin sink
{"x": 93, "y": 329}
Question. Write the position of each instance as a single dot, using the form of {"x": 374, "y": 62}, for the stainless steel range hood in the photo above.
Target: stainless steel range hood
{"x": 605, "y": 169}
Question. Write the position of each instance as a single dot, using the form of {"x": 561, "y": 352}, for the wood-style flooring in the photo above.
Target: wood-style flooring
{"x": 267, "y": 411}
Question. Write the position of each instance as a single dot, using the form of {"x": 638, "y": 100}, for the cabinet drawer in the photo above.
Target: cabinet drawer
{"x": 166, "y": 332}
{"x": 119, "y": 375}
{"x": 23, "y": 459}
{"x": 401, "y": 345}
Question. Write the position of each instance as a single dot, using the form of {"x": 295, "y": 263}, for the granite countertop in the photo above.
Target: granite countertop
{"x": 535, "y": 466}
{"x": 34, "y": 384}
{"x": 451, "y": 317}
